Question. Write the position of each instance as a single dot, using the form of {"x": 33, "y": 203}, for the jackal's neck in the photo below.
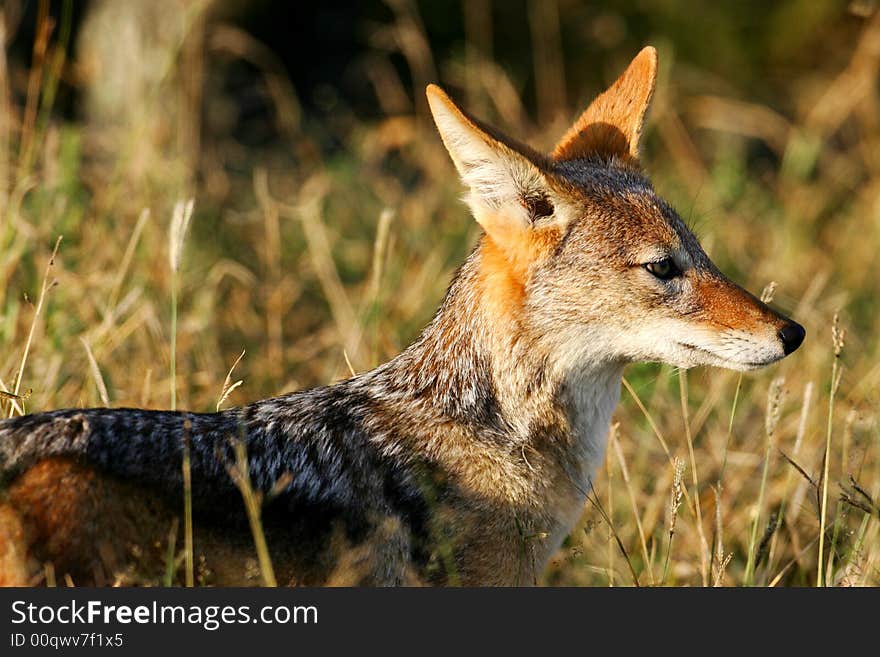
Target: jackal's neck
{"x": 479, "y": 364}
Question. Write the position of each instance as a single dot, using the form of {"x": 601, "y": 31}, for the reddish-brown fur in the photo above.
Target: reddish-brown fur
{"x": 507, "y": 258}
{"x": 79, "y": 520}
{"x": 727, "y": 305}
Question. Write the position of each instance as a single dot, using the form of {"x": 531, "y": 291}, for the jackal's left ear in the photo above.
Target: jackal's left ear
{"x": 612, "y": 124}
{"x": 507, "y": 187}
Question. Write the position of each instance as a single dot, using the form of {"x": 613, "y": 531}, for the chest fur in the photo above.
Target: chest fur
{"x": 588, "y": 401}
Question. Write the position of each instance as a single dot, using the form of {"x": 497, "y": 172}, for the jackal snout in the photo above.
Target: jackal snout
{"x": 731, "y": 328}
{"x": 756, "y": 316}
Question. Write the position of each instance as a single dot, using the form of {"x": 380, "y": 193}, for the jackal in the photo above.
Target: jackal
{"x": 465, "y": 459}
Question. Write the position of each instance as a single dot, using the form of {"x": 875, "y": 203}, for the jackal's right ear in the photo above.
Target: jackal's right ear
{"x": 507, "y": 187}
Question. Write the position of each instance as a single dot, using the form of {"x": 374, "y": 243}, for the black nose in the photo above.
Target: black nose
{"x": 792, "y": 334}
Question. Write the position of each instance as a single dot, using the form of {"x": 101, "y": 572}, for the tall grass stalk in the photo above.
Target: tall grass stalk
{"x": 838, "y": 336}
{"x": 733, "y": 406}
{"x": 774, "y": 402}
{"x": 179, "y": 223}
{"x": 704, "y": 546}
{"x": 840, "y": 515}
{"x": 720, "y": 561}
{"x": 187, "y": 509}
{"x": 170, "y": 555}
{"x": 45, "y": 287}
{"x": 766, "y": 297}
{"x": 380, "y": 248}
{"x": 674, "y": 504}
{"x": 253, "y": 502}
{"x": 718, "y": 550}
{"x": 609, "y": 473}
{"x": 784, "y": 505}
{"x": 621, "y": 460}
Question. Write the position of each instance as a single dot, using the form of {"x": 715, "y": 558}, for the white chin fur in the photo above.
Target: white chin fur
{"x": 744, "y": 361}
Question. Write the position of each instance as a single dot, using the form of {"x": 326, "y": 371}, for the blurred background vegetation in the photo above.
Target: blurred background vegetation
{"x": 328, "y": 223}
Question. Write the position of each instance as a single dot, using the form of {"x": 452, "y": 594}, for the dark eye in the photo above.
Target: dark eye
{"x": 663, "y": 269}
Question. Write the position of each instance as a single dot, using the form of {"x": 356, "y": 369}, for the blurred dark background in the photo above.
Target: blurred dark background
{"x": 324, "y": 47}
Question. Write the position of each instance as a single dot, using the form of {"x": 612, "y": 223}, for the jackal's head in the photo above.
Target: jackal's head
{"x": 580, "y": 252}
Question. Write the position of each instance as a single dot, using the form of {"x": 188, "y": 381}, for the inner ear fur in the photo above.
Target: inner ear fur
{"x": 506, "y": 179}
{"x": 511, "y": 189}
{"x": 612, "y": 124}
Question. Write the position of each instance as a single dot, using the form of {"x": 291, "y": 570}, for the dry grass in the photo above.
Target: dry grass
{"x": 317, "y": 260}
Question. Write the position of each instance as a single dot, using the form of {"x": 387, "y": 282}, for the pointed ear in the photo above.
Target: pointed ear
{"x": 611, "y": 125}
{"x": 507, "y": 187}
